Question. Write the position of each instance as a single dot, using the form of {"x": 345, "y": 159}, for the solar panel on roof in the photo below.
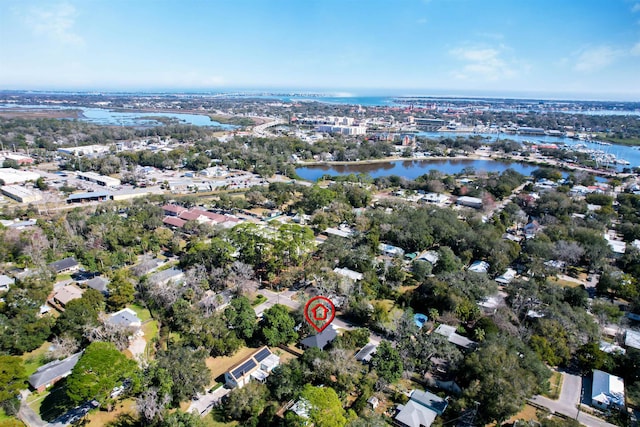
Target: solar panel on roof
{"x": 244, "y": 368}
{"x": 262, "y": 354}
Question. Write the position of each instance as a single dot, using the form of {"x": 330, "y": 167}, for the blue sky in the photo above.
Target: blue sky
{"x": 553, "y": 48}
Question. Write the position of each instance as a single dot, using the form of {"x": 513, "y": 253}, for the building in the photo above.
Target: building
{"x": 431, "y": 257}
{"x": 165, "y": 276}
{"x": 421, "y": 410}
{"x": 632, "y": 339}
{"x": 105, "y": 181}
{"x": 86, "y": 150}
{"x": 506, "y": 277}
{"x": 173, "y": 210}
{"x": 258, "y": 366}
{"x": 174, "y": 222}
{"x": 6, "y": 282}
{"x": 66, "y": 294}
{"x": 320, "y": 340}
{"x": 366, "y": 353}
{"x": 349, "y": 274}
{"x": 479, "y": 267}
{"x": 390, "y": 250}
{"x": 607, "y": 391}
{"x": 125, "y": 317}
{"x": 49, "y": 374}
{"x": 91, "y": 196}
{"x": 19, "y": 159}
{"x": 16, "y": 176}
{"x": 66, "y": 265}
{"x": 453, "y": 337}
{"x": 470, "y": 202}
{"x": 98, "y": 283}
{"x": 21, "y": 194}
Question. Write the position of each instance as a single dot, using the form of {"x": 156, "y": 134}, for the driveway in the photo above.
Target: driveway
{"x": 567, "y": 403}
{"x": 205, "y": 402}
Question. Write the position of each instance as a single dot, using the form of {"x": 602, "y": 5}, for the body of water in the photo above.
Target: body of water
{"x": 411, "y": 169}
{"x": 106, "y": 117}
{"x": 630, "y": 154}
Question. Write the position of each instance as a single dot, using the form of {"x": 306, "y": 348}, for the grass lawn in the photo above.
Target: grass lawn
{"x": 565, "y": 283}
{"x": 527, "y": 413}
{"x": 216, "y": 419}
{"x": 555, "y": 386}
{"x": 51, "y": 403}
{"x": 99, "y": 418}
{"x": 36, "y": 358}
{"x": 143, "y": 313}
{"x": 219, "y": 365}
{"x": 62, "y": 277}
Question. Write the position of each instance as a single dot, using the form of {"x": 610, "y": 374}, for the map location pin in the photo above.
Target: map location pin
{"x": 319, "y": 312}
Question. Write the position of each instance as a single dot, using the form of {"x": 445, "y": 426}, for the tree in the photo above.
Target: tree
{"x": 121, "y": 291}
{"x": 186, "y": 370}
{"x": 12, "y": 378}
{"x": 241, "y": 317}
{"x": 387, "y": 362}
{"x": 80, "y": 313}
{"x": 247, "y": 402}
{"x": 99, "y": 370}
{"x": 278, "y": 325}
{"x": 41, "y": 184}
{"x": 325, "y": 409}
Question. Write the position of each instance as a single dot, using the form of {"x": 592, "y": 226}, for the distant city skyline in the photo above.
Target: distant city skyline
{"x": 588, "y": 49}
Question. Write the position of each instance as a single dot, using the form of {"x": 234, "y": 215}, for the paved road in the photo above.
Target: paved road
{"x": 567, "y": 403}
{"x": 261, "y": 130}
{"x": 27, "y": 415}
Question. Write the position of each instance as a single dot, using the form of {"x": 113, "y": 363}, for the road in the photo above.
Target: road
{"x": 261, "y": 130}
{"x": 567, "y": 403}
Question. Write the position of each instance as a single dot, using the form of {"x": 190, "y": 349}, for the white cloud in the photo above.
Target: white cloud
{"x": 483, "y": 63}
{"x": 54, "y": 21}
{"x": 596, "y": 58}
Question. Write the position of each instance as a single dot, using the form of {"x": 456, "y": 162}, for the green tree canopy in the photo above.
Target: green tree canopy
{"x": 325, "y": 408}
{"x": 12, "y": 377}
{"x": 278, "y": 326}
{"x": 387, "y": 362}
{"x": 99, "y": 370}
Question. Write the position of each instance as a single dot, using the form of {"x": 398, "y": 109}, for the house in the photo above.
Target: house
{"x": 174, "y": 222}
{"x": 49, "y": 374}
{"x": 431, "y": 257}
{"x": 125, "y": 317}
{"x": 632, "y": 339}
{"x": 258, "y": 366}
{"x": 65, "y": 265}
{"x": 98, "y": 283}
{"x": 66, "y": 294}
{"x": 173, "y": 210}
{"x": 165, "y": 276}
{"x": 479, "y": 267}
{"x": 506, "y": 277}
{"x": 6, "y": 282}
{"x": 531, "y": 229}
{"x": 490, "y": 304}
{"x": 607, "y": 391}
{"x": 320, "y": 340}
{"x": 453, "y": 337}
{"x": 349, "y": 274}
{"x": 421, "y": 410}
{"x": 374, "y": 402}
{"x": 470, "y": 202}
{"x": 390, "y": 250}
{"x": 366, "y": 353}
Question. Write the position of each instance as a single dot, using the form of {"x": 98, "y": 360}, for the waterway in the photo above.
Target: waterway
{"x": 411, "y": 169}
{"x": 106, "y": 117}
{"x": 630, "y": 154}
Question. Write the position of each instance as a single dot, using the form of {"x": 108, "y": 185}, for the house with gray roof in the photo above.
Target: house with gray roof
{"x": 320, "y": 340}
{"x": 98, "y": 283}
{"x": 64, "y": 265}
{"x": 453, "y": 337}
{"x": 165, "y": 276}
{"x": 6, "y": 282}
{"x": 125, "y": 317}
{"x": 421, "y": 410}
{"x": 49, "y": 374}
{"x": 366, "y": 353}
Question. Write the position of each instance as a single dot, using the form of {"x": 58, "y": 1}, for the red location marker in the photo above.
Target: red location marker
{"x": 319, "y": 312}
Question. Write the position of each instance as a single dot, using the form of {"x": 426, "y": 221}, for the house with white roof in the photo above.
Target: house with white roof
{"x": 453, "y": 337}
{"x": 349, "y": 274}
{"x": 479, "y": 267}
{"x": 6, "y": 282}
{"x": 506, "y": 277}
{"x": 421, "y": 410}
{"x": 607, "y": 391}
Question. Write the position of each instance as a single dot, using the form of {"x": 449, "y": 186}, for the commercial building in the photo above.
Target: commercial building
{"x": 91, "y": 196}
{"x": 16, "y": 176}
{"x": 105, "y": 181}
{"x": 21, "y": 194}
{"x": 471, "y": 202}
